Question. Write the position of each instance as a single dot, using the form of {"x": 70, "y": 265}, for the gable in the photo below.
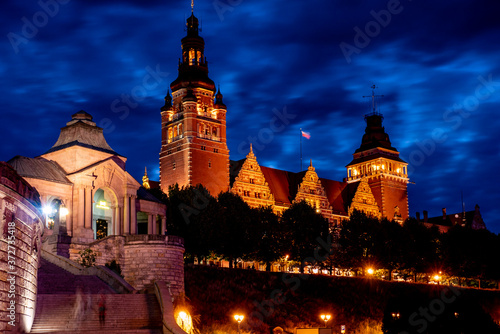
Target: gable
{"x": 364, "y": 200}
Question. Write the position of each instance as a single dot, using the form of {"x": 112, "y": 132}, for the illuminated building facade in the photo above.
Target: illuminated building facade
{"x": 194, "y": 151}
{"x": 379, "y": 164}
{"x": 193, "y": 148}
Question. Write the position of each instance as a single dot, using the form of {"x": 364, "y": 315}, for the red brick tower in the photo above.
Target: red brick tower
{"x": 193, "y": 148}
{"x": 386, "y": 172}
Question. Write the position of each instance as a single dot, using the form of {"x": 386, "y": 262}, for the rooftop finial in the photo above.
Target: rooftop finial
{"x": 145, "y": 179}
{"x": 192, "y": 6}
{"x": 373, "y": 96}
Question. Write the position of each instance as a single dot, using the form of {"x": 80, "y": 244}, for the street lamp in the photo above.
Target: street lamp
{"x": 370, "y": 271}
{"x": 325, "y": 318}
{"x": 239, "y": 318}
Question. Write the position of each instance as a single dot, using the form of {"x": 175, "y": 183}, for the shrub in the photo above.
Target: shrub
{"x": 87, "y": 257}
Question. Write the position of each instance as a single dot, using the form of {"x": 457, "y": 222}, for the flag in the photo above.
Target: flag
{"x": 306, "y": 134}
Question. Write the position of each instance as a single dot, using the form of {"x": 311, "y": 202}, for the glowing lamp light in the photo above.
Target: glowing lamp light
{"x": 370, "y": 271}
{"x": 47, "y": 210}
{"x": 184, "y": 321}
{"x": 102, "y": 205}
{"x": 437, "y": 277}
{"x": 325, "y": 317}
{"x": 239, "y": 318}
{"x": 63, "y": 211}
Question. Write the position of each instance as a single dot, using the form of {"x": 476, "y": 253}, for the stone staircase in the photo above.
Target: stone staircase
{"x": 68, "y": 303}
{"x": 55, "y": 280}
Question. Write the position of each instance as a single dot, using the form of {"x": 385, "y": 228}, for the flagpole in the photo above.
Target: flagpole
{"x": 300, "y": 136}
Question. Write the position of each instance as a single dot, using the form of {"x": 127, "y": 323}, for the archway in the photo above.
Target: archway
{"x": 102, "y": 213}
{"x": 55, "y": 213}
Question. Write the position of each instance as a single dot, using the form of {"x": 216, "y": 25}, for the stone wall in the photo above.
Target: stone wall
{"x": 151, "y": 257}
{"x": 106, "y": 249}
{"x": 21, "y": 226}
{"x": 142, "y": 258}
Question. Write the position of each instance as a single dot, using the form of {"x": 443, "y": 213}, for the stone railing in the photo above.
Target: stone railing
{"x": 162, "y": 291}
{"x": 107, "y": 275}
{"x": 172, "y": 240}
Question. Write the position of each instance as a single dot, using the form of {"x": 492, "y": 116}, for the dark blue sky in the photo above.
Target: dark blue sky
{"x": 436, "y": 63}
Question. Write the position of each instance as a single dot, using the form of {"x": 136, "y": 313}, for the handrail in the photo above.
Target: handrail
{"x": 167, "y": 308}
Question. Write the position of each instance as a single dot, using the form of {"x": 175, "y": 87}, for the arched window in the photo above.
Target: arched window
{"x": 169, "y": 135}
{"x": 191, "y": 56}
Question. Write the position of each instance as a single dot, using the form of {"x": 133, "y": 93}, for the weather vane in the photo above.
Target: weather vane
{"x": 373, "y": 96}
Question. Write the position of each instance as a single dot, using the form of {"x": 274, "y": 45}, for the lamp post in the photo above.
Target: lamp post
{"x": 239, "y": 318}
{"x": 325, "y": 318}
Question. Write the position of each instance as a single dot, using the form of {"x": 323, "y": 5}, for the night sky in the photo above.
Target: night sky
{"x": 437, "y": 63}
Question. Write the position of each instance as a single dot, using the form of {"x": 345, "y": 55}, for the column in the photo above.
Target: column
{"x": 81, "y": 208}
{"x": 113, "y": 221}
{"x": 69, "y": 217}
{"x": 117, "y": 221}
{"x": 88, "y": 208}
{"x": 133, "y": 216}
{"x": 155, "y": 224}
{"x": 126, "y": 215}
{"x": 163, "y": 224}
{"x": 150, "y": 224}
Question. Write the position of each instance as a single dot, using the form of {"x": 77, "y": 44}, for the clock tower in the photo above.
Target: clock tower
{"x": 378, "y": 163}
{"x": 193, "y": 122}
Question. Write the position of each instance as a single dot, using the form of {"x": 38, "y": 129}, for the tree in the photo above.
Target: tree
{"x": 358, "y": 240}
{"x": 421, "y": 253}
{"x": 471, "y": 253}
{"x": 233, "y": 227}
{"x": 390, "y": 245}
{"x": 302, "y": 227}
{"x": 267, "y": 235}
{"x": 192, "y": 214}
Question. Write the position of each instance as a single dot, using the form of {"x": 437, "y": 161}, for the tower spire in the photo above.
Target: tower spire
{"x": 145, "y": 179}
{"x": 192, "y": 6}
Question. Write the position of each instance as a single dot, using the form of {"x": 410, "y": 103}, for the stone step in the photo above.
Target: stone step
{"x": 109, "y": 331}
{"x": 53, "y": 279}
{"x": 59, "y": 312}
